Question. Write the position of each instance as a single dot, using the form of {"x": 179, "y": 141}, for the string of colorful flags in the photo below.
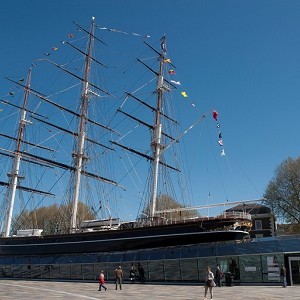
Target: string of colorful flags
{"x": 71, "y": 36}
{"x": 185, "y": 95}
{"x": 172, "y": 74}
{"x": 123, "y": 32}
{"x": 215, "y": 115}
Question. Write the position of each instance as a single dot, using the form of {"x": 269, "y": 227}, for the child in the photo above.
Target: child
{"x": 101, "y": 281}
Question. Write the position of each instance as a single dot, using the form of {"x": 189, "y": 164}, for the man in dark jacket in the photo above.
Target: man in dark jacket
{"x": 218, "y": 276}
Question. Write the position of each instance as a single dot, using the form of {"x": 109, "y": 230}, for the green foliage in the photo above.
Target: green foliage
{"x": 283, "y": 191}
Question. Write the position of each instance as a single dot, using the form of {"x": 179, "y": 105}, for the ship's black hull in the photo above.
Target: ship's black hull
{"x": 117, "y": 240}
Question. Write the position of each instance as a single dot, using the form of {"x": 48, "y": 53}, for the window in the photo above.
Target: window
{"x": 258, "y": 224}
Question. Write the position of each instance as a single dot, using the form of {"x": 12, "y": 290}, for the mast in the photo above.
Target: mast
{"x": 13, "y": 182}
{"x": 79, "y": 155}
{"x": 157, "y": 132}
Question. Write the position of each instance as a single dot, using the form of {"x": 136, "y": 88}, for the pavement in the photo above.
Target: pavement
{"x": 44, "y": 290}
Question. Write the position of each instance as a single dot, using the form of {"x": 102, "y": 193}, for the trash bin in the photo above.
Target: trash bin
{"x": 228, "y": 279}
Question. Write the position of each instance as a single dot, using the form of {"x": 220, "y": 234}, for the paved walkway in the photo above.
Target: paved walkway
{"x": 43, "y": 290}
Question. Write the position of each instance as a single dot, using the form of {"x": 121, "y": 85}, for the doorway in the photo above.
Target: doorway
{"x": 294, "y": 266}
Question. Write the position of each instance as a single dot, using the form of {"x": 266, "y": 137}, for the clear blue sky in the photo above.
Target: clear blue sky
{"x": 240, "y": 57}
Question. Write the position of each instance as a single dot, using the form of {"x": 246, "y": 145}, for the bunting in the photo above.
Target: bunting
{"x": 184, "y": 94}
{"x": 123, "y": 32}
{"x": 215, "y": 115}
{"x": 172, "y": 73}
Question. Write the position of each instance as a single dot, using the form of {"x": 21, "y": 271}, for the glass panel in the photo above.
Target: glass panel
{"x": 89, "y": 258}
{"x": 189, "y": 270}
{"x": 290, "y": 244}
{"x": 268, "y": 246}
{"x": 144, "y": 255}
{"x": 156, "y": 271}
{"x": 102, "y": 257}
{"x": 9, "y": 271}
{"x": 206, "y": 250}
{"x": 109, "y": 270}
{"x": 203, "y": 263}
{"x": 10, "y": 260}
{"x": 250, "y": 270}
{"x": 172, "y": 270}
{"x": 189, "y": 251}
{"x": 65, "y": 271}
{"x": 76, "y": 271}
{"x": 270, "y": 267}
{"x": 35, "y": 260}
{"x": 47, "y": 260}
{"x": 26, "y": 271}
{"x": 88, "y": 272}
{"x": 55, "y": 272}
{"x": 295, "y": 268}
{"x": 45, "y": 271}
{"x": 18, "y": 271}
{"x": 173, "y": 253}
{"x": 130, "y": 256}
{"x": 35, "y": 272}
{"x": 116, "y": 257}
{"x": 226, "y": 249}
{"x": 157, "y": 254}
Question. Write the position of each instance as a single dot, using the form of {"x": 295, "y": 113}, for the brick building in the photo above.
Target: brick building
{"x": 263, "y": 220}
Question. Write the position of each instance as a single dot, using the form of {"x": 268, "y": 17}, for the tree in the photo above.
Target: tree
{"x": 283, "y": 191}
{"x": 165, "y": 202}
{"x": 52, "y": 219}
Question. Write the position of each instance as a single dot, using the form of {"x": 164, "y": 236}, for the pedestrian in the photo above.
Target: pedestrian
{"x": 101, "y": 281}
{"x": 118, "y": 277}
{"x": 141, "y": 273}
{"x": 283, "y": 275}
{"x": 209, "y": 283}
{"x": 218, "y": 276}
{"x": 132, "y": 274}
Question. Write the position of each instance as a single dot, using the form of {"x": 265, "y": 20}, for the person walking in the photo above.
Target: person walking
{"x": 101, "y": 281}
{"x": 209, "y": 283}
{"x": 141, "y": 271}
{"x": 218, "y": 276}
{"x": 132, "y": 274}
{"x": 119, "y": 277}
{"x": 283, "y": 275}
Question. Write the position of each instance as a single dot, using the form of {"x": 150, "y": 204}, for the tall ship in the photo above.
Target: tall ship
{"x": 72, "y": 148}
